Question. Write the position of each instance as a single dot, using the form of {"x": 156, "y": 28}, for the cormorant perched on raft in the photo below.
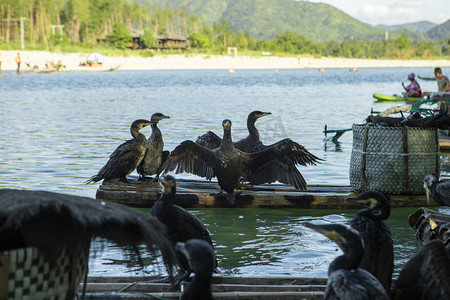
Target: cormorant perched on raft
{"x": 440, "y": 189}
{"x": 181, "y": 225}
{"x": 378, "y": 258}
{"x": 345, "y": 279}
{"x": 296, "y": 152}
{"x": 200, "y": 256}
{"x": 426, "y": 275}
{"x": 154, "y": 155}
{"x": 229, "y": 164}
{"x": 126, "y": 157}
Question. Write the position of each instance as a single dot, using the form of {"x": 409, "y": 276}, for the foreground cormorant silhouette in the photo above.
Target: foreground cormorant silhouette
{"x": 229, "y": 164}
{"x": 154, "y": 155}
{"x": 126, "y": 157}
{"x": 345, "y": 279}
{"x": 200, "y": 256}
{"x": 439, "y": 189}
{"x": 296, "y": 152}
{"x": 378, "y": 256}
{"x": 181, "y": 225}
{"x": 426, "y": 275}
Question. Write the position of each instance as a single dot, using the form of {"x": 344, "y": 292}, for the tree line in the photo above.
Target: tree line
{"x": 90, "y": 23}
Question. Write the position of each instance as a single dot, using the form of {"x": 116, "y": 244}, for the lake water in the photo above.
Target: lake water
{"x": 57, "y": 130}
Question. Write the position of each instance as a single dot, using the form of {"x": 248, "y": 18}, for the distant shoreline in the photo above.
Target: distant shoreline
{"x": 193, "y": 62}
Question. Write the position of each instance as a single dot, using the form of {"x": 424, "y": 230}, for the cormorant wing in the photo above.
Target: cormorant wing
{"x": 354, "y": 284}
{"x": 209, "y": 140}
{"x": 296, "y": 152}
{"x": 435, "y": 271}
{"x": 443, "y": 188}
{"x": 191, "y": 158}
{"x": 190, "y": 226}
{"x": 270, "y": 165}
{"x": 119, "y": 160}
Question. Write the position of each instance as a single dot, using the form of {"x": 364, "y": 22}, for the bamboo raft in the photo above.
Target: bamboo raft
{"x": 202, "y": 193}
{"x": 222, "y": 287}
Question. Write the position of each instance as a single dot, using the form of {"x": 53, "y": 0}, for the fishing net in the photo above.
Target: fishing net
{"x": 25, "y": 274}
{"x": 393, "y": 160}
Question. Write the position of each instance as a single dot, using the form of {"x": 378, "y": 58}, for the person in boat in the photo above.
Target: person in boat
{"x": 413, "y": 89}
{"x": 442, "y": 81}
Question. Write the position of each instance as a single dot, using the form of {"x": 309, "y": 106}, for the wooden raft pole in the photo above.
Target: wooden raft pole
{"x": 257, "y": 288}
{"x": 202, "y": 193}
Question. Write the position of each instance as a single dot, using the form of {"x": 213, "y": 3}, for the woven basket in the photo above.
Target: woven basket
{"x": 393, "y": 160}
{"x": 25, "y": 274}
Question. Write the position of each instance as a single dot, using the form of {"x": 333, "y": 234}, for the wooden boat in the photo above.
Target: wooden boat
{"x": 381, "y": 97}
{"x": 202, "y": 193}
{"x": 223, "y": 287}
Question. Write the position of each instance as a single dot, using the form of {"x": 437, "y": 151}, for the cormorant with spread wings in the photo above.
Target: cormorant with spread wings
{"x": 229, "y": 164}
{"x": 293, "y": 150}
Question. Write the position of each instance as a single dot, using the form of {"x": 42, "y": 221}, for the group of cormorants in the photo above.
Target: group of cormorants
{"x": 247, "y": 160}
{"x": 364, "y": 271}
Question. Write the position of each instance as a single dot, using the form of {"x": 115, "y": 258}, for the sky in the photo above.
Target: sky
{"x": 393, "y": 12}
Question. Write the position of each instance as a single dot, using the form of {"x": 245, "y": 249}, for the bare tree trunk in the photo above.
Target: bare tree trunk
{"x": 8, "y": 24}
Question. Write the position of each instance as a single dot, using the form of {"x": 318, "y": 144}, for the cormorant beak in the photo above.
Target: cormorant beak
{"x": 164, "y": 183}
{"x": 165, "y": 117}
{"x": 226, "y": 124}
{"x": 329, "y": 233}
{"x": 265, "y": 114}
{"x": 356, "y": 199}
{"x": 427, "y": 191}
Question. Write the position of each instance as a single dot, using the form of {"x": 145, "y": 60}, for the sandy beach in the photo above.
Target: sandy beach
{"x": 173, "y": 62}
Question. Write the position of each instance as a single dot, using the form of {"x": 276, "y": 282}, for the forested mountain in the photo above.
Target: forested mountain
{"x": 267, "y": 18}
{"x": 422, "y": 26}
{"x": 439, "y": 32}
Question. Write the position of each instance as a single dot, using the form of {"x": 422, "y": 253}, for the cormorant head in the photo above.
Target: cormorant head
{"x": 159, "y": 116}
{"x": 375, "y": 201}
{"x": 258, "y": 114}
{"x": 345, "y": 237}
{"x": 428, "y": 181}
{"x": 168, "y": 184}
{"x": 199, "y": 254}
{"x": 141, "y": 123}
{"x": 226, "y": 124}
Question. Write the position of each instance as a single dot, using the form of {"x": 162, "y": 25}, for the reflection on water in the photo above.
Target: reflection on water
{"x": 57, "y": 130}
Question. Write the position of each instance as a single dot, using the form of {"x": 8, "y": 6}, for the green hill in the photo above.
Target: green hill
{"x": 440, "y": 32}
{"x": 266, "y": 18}
{"x": 421, "y": 26}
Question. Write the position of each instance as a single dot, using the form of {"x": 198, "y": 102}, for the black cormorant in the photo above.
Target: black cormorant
{"x": 426, "y": 275}
{"x": 181, "y": 225}
{"x": 154, "y": 155}
{"x": 229, "y": 164}
{"x": 200, "y": 256}
{"x": 296, "y": 152}
{"x": 345, "y": 279}
{"x": 440, "y": 189}
{"x": 378, "y": 256}
{"x": 126, "y": 157}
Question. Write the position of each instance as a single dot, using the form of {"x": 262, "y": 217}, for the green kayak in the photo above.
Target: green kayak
{"x": 381, "y": 97}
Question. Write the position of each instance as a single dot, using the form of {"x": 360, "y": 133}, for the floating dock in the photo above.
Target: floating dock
{"x": 203, "y": 193}
{"x": 250, "y": 288}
